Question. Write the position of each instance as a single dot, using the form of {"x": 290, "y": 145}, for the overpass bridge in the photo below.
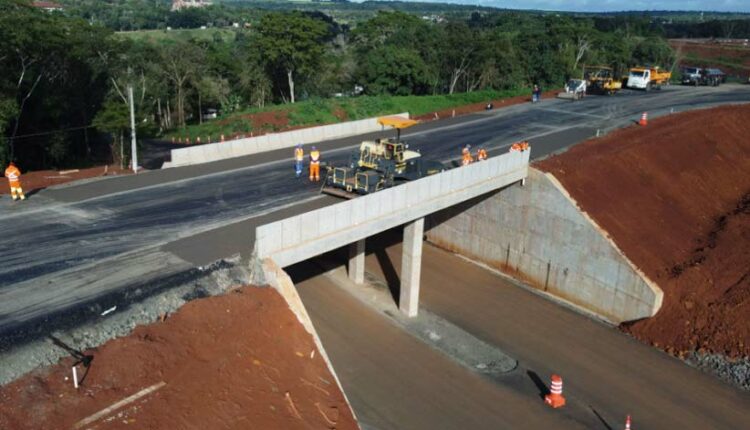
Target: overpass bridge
{"x": 298, "y": 238}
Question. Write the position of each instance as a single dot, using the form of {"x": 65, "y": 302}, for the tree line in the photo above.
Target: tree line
{"x": 64, "y": 80}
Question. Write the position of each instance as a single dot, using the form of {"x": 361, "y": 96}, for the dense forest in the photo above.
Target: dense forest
{"x": 63, "y": 76}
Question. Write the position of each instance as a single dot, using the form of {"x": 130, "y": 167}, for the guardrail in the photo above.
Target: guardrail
{"x": 298, "y": 238}
{"x": 269, "y": 142}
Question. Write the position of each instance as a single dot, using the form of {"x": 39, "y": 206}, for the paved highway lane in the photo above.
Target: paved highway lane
{"x": 395, "y": 383}
{"x": 78, "y": 232}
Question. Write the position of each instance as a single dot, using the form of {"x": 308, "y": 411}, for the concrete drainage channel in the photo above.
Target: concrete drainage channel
{"x": 442, "y": 335}
{"x": 33, "y": 345}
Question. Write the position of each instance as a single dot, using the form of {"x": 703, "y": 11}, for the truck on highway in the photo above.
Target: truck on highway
{"x": 702, "y": 76}
{"x": 691, "y": 76}
{"x": 713, "y": 77}
{"x": 647, "y": 78}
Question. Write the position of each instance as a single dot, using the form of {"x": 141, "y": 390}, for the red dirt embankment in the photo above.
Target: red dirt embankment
{"x": 675, "y": 197}
{"x": 237, "y": 361}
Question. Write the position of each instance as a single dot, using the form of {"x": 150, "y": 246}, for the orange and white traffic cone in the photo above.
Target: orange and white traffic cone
{"x": 644, "y": 119}
{"x": 627, "y": 423}
{"x": 555, "y": 397}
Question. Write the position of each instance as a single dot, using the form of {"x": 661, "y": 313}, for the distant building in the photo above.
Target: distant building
{"x": 48, "y": 6}
{"x": 182, "y": 4}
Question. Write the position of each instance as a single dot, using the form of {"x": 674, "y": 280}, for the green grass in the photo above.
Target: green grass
{"x": 322, "y": 111}
{"x": 226, "y": 34}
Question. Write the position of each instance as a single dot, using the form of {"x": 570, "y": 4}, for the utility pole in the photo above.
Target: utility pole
{"x": 133, "y": 150}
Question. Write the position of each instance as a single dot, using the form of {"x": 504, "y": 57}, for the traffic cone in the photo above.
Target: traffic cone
{"x": 627, "y": 423}
{"x": 555, "y": 397}
{"x": 644, "y": 119}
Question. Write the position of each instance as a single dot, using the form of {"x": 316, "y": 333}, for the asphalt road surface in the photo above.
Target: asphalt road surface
{"x": 395, "y": 381}
{"x": 67, "y": 247}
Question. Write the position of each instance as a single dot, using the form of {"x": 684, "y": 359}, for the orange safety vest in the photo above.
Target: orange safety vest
{"x": 482, "y": 155}
{"x": 315, "y": 157}
{"x": 299, "y": 154}
{"x": 466, "y": 158}
{"x": 13, "y": 175}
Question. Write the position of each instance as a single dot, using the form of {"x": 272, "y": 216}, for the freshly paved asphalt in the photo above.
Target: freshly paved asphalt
{"x": 394, "y": 381}
{"x": 61, "y": 245}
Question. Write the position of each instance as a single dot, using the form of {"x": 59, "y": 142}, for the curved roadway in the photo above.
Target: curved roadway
{"x": 69, "y": 247}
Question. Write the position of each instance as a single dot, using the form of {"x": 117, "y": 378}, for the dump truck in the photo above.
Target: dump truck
{"x": 647, "y": 78}
{"x": 601, "y": 80}
{"x": 575, "y": 89}
{"x": 379, "y": 164}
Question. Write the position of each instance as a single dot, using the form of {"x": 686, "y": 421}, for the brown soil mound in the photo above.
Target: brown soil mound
{"x": 236, "y": 361}
{"x": 40, "y": 179}
{"x": 675, "y": 197}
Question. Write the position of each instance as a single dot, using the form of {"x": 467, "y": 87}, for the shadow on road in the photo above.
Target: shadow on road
{"x": 540, "y": 385}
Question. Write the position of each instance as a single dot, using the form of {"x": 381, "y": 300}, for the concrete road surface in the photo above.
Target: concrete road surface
{"x": 69, "y": 247}
{"x": 396, "y": 382}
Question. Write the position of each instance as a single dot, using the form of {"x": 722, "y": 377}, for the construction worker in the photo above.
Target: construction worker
{"x": 481, "y": 154}
{"x": 14, "y": 178}
{"x": 299, "y": 157}
{"x": 536, "y": 94}
{"x": 314, "y": 164}
{"x": 466, "y": 158}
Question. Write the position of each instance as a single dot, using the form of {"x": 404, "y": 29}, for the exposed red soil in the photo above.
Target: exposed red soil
{"x": 711, "y": 52}
{"x": 36, "y": 180}
{"x": 478, "y": 107}
{"x": 675, "y": 197}
{"x": 237, "y": 361}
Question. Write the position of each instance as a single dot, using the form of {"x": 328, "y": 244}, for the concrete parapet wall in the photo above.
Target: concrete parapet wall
{"x": 313, "y": 233}
{"x": 538, "y": 234}
{"x": 269, "y": 142}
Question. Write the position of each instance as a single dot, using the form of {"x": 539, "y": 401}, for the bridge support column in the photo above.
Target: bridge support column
{"x": 357, "y": 261}
{"x": 411, "y": 267}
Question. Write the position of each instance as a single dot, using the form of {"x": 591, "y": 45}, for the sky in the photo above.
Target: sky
{"x": 613, "y": 5}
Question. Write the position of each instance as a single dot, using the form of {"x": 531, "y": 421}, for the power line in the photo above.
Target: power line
{"x": 44, "y": 133}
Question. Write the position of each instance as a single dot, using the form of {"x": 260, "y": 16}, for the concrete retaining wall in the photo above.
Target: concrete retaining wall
{"x": 538, "y": 234}
{"x": 313, "y": 233}
{"x": 269, "y": 142}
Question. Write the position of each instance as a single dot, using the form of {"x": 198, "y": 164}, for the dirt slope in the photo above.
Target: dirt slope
{"x": 675, "y": 197}
{"x": 237, "y": 361}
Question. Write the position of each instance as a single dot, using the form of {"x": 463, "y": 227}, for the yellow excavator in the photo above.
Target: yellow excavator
{"x": 379, "y": 164}
{"x": 601, "y": 80}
